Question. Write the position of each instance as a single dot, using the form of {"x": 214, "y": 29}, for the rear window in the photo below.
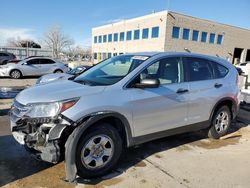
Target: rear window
{"x": 220, "y": 70}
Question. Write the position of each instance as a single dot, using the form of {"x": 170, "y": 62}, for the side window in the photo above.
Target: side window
{"x": 3, "y": 54}
{"x": 46, "y": 61}
{"x": 167, "y": 70}
{"x": 220, "y": 70}
{"x": 33, "y": 62}
{"x": 199, "y": 69}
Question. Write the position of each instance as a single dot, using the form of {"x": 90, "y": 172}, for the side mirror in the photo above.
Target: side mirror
{"x": 148, "y": 83}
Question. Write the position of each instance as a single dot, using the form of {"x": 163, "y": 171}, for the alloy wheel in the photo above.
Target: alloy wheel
{"x": 222, "y": 122}
{"x": 97, "y": 151}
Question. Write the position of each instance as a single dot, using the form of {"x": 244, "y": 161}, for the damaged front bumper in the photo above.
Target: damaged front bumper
{"x": 3, "y": 71}
{"x": 40, "y": 136}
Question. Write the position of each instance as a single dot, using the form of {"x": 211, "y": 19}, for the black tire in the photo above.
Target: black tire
{"x": 83, "y": 169}
{"x": 16, "y": 74}
{"x": 58, "y": 71}
{"x": 215, "y": 130}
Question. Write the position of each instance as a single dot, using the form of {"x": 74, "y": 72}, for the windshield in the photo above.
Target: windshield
{"x": 111, "y": 70}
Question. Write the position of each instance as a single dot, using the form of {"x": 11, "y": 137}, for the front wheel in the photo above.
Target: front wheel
{"x": 220, "y": 123}
{"x": 98, "y": 151}
{"x": 16, "y": 74}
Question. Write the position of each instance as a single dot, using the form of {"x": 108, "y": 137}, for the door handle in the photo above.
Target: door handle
{"x": 182, "y": 90}
{"x": 218, "y": 85}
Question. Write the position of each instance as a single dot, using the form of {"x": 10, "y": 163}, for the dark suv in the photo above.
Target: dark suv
{"x": 5, "y": 57}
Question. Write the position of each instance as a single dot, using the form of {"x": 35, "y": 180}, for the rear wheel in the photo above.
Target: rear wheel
{"x": 98, "y": 151}
{"x": 58, "y": 71}
{"x": 16, "y": 74}
{"x": 220, "y": 123}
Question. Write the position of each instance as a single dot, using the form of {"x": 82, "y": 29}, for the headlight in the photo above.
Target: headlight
{"x": 49, "y": 109}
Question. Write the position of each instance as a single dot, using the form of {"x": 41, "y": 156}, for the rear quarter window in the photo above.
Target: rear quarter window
{"x": 220, "y": 70}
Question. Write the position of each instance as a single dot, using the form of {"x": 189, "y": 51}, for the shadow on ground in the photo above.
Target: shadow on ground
{"x": 16, "y": 164}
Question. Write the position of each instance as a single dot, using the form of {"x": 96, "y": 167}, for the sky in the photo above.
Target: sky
{"x": 30, "y": 19}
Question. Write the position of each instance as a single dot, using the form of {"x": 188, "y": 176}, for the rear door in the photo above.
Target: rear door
{"x": 47, "y": 66}
{"x": 204, "y": 88}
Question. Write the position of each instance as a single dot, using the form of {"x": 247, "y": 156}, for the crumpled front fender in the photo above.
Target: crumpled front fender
{"x": 73, "y": 139}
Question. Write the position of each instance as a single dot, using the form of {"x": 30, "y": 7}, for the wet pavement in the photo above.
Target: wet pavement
{"x": 187, "y": 160}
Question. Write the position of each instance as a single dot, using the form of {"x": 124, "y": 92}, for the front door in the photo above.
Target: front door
{"x": 163, "y": 108}
{"x": 31, "y": 68}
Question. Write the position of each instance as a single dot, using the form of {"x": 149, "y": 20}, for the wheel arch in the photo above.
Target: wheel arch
{"x": 17, "y": 70}
{"x": 58, "y": 69}
{"x": 84, "y": 124}
{"x": 227, "y": 101}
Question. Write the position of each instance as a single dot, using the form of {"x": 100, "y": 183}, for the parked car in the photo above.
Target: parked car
{"x": 5, "y": 57}
{"x": 14, "y": 61}
{"x": 34, "y": 66}
{"x": 240, "y": 72}
{"x": 243, "y": 66}
{"x": 122, "y": 102}
{"x": 71, "y": 74}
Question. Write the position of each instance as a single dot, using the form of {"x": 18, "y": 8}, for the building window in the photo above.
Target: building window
{"x": 185, "y": 34}
{"x": 129, "y": 35}
{"x": 104, "y": 38}
{"x": 219, "y": 39}
{"x": 122, "y": 36}
{"x": 109, "y": 55}
{"x": 211, "y": 38}
{"x": 115, "y": 37}
{"x": 175, "y": 32}
{"x": 145, "y": 33}
{"x": 95, "y": 39}
{"x": 104, "y": 56}
{"x": 204, "y": 37}
{"x": 136, "y": 34}
{"x": 95, "y": 55}
{"x": 110, "y": 37}
{"x": 195, "y": 35}
{"x": 155, "y": 32}
{"x": 114, "y": 54}
{"x": 100, "y": 39}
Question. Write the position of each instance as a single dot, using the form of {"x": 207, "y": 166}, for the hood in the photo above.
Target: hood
{"x": 53, "y": 77}
{"x": 56, "y": 91}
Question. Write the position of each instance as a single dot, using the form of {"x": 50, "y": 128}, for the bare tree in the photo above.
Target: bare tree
{"x": 56, "y": 40}
{"x": 12, "y": 42}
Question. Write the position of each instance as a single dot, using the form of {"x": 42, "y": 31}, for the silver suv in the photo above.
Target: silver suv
{"x": 35, "y": 66}
{"x": 124, "y": 101}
